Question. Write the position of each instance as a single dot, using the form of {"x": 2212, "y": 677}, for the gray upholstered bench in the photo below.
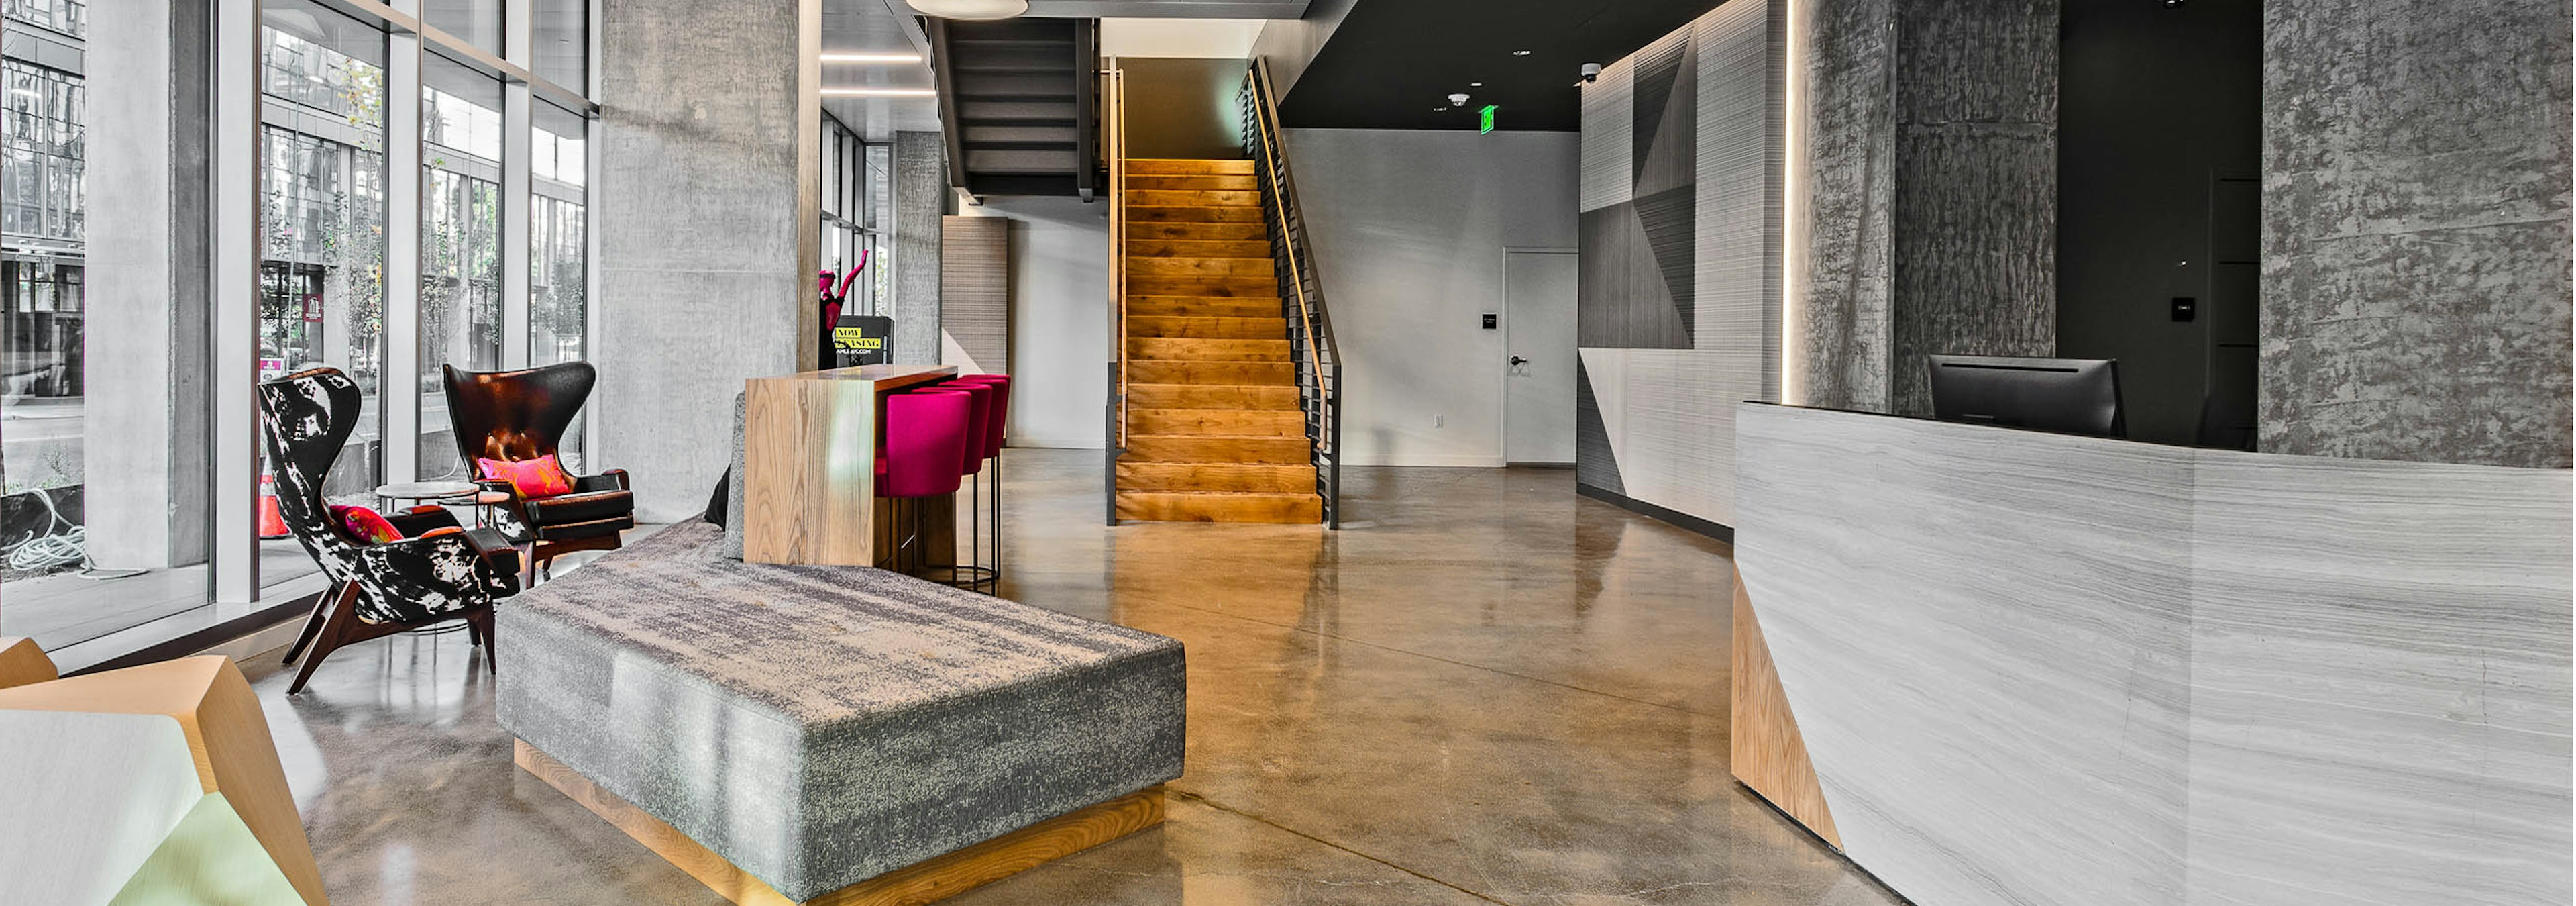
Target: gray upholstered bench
{"x": 817, "y": 727}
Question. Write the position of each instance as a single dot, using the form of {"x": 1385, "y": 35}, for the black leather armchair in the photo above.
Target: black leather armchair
{"x": 522, "y": 415}
{"x": 378, "y": 588}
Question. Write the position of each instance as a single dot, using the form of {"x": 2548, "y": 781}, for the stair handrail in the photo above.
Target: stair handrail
{"x": 1115, "y": 124}
{"x": 1279, "y": 188}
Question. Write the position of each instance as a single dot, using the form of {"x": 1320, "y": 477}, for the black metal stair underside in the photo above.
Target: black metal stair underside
{"x": 1017, "y": 102}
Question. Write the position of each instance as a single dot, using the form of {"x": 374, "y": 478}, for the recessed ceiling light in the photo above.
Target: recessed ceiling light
{"x": 871, "y": 58}
{"x": 881, "y": 92}
{"x": 1520, "y": 53}
{"x": 970, "y": 10}
{"x": 1475, "y": 84}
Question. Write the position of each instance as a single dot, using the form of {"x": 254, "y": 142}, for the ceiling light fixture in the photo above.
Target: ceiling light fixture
{"x": 970, "y": 10}
{"x": 871, "y": 58}
{"x": 881, "y": 92}
{"x": 1475, "y": 84}
{"x": 1520, "y": 53}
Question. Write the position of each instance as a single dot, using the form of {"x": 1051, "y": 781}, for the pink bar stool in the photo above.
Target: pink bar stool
{"x": 993, "y": 443}
{"x": 923, "y": 440}
{"x": 980, "y": 436}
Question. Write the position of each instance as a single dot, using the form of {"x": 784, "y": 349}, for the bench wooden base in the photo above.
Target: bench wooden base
{"x": 936, "y": 879}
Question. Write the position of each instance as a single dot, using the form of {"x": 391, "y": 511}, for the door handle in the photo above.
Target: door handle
{"x": 1517, "y": 360}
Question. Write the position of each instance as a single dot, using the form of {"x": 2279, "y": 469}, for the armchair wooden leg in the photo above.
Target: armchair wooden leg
{"x": 480, "y": 623}
{"x": 313, "y": 624}
{"x": 335, "y": 629}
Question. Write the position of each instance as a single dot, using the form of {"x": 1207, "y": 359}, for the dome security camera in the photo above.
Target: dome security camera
{"x": 1591, "y": 72}
{"x": 1458, "y": 100}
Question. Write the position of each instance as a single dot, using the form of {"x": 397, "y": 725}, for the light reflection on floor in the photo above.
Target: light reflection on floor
{"x": 1486, "y": 690}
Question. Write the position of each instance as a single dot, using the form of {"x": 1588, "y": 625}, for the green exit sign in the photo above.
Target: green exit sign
{"x": 1485, "y": 119}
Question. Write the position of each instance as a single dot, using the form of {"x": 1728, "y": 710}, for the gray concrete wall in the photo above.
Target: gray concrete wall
{"x": 920, "y": 198}
{"x": 1975, "y": 216}
{"x": 707, "y": 207}
{"x": 1930, "y": 167}
{"x": 2415, "y": 231}
{"x": 1839, "y": 343}
{"x": 144, "y": 453}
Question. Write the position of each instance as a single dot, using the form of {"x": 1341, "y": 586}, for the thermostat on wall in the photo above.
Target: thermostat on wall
{"x": 1489, "y": 320}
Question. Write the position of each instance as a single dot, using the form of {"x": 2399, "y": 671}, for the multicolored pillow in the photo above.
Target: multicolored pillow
{"x": 535, "y": 479}
{"x": 364, "y": 525}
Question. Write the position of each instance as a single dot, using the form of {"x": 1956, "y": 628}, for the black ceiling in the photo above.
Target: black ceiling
{"x": 1393, "y": 61}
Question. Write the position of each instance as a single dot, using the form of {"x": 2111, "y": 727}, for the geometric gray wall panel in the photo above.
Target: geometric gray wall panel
{"x": 2416, "y": 298}
{"x": 1625, "y": 297}
{"x": 1678, "y": 316}
{"x": 2040, "y": 668}
{"x": 1595, "y": 462}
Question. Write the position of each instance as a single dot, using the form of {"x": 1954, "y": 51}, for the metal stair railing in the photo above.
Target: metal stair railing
{"x": 1301, "y": 288}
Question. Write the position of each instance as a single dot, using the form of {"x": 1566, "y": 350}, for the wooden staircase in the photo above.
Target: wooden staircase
{"x": 1214, "y": 431}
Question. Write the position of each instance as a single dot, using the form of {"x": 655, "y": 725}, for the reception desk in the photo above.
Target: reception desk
{"x": 1999, "y": 666}
{"x": 809, "y": 470}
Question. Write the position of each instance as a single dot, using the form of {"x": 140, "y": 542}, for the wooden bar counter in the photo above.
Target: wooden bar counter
{"x": 809, "y": 470}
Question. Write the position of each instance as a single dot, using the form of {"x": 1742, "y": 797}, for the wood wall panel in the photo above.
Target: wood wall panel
{"x": 1766, "y": 752}
{"x": 975, "y": 290}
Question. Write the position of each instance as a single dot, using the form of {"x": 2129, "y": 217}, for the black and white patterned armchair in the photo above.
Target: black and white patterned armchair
{"x": 436, "y": 572}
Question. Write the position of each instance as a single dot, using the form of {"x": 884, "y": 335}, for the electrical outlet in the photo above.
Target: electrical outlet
{"x": 1439, "y": 421}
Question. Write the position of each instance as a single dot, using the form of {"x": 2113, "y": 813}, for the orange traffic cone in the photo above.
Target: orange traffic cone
{"x": 272, "y": 524}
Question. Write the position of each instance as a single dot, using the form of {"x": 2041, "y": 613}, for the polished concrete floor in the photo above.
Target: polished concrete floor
{"x": 1484, "y": 689}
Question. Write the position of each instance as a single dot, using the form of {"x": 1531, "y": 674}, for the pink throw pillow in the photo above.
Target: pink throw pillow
{"x": 364, "y": 525}
{"x": 535, "y": 479}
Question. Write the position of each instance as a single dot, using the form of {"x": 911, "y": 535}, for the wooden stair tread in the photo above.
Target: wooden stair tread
{"x": 1215, "y": 428}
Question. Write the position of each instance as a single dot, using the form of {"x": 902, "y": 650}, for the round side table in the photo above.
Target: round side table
{"x": 424, "y": 491}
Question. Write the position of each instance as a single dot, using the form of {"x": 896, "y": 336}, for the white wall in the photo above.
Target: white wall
{"x": 1059, "y": 319}
{"x": 1223, "y": 39}
{"x": 1409, "y": 228}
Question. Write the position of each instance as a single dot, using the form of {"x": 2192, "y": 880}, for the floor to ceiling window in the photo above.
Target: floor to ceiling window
{"x": 44, "y": 399}
{"x": 117, "y": 310}
{"x": 558, "y": 251}
{"x": 460, "y": 245}
{"x": 322, "y": 207}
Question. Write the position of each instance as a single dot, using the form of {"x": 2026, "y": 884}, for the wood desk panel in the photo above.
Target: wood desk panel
{"x": 809, "y": 463}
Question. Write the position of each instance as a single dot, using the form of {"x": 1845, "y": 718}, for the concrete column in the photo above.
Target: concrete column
{"x": 2414, "y": 282}
{"x": 705, "y": 210}
{"x": 920, "y": 199}
{"x": 144, "y": 449}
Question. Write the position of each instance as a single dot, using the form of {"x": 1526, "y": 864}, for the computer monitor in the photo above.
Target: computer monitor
{"x": 2077, "y": 396}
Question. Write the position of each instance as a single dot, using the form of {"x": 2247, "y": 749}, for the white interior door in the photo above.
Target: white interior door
{"x": 1538, "y": 357}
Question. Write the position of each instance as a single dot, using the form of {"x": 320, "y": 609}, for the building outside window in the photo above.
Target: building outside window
{"x": 460, "y": 272}
{"x": 558, "y": 253}
{"x": 43, "y": 306}
{"x": 322, "y": 202}
{"x": 80, "y": 404}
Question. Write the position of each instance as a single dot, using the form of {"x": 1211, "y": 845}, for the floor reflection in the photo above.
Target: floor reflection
{"x": 1486, "y": 690}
